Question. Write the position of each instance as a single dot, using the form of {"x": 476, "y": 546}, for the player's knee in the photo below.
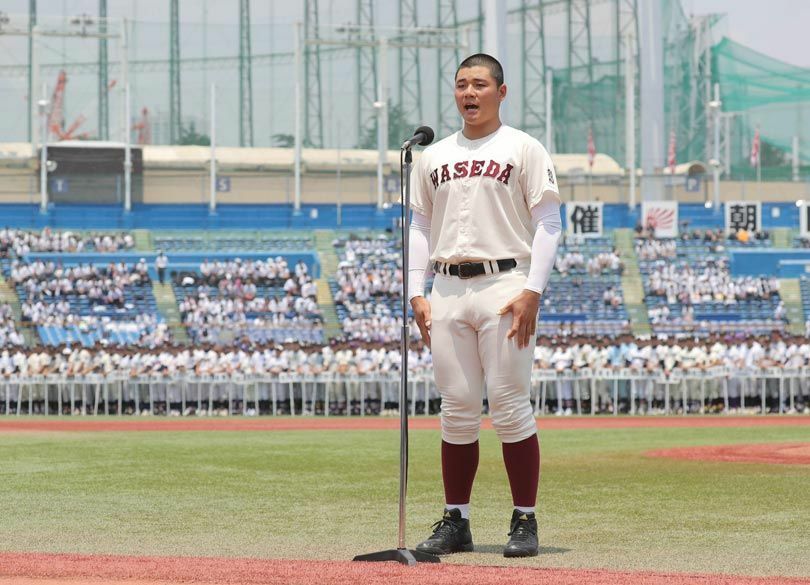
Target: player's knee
{"x": 460, "y": 430}
{"x": 461, "y": 419}
{"x": 512, "y": 415}
{"x": 460, "y": 436}
{"x": 515, "y": 428}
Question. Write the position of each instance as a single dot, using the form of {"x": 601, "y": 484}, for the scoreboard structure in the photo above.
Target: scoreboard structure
{"x": 92, "y": 172}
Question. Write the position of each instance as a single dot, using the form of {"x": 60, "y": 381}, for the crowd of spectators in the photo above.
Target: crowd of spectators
{"x": 600, "y": 263}
{"x": 709, "y": 281}
{"x": 232, "y": 296}
{"x": 9, "y": 336}
{"x": 658, "y": 354}
{"x": 354, "y": 358}
{"x": 51, "y": 295}
{"x": 145, "y": 328}
{"x": 367, "y": 281}
{"x": 369, "y": 288}
{"x": 715, "y": 241}
{"x": 227, "y": 273}
{"x": 23, "y": 242}
{"x": 651, "y": 249}
{"x": 200, "y": 310}
{"x": 803, "y": 242}
{"x": 50, "y": 280}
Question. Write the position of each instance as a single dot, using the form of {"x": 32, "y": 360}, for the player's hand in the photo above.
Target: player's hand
{"x": 421, "y": 314}
{"x": 524, "y": 316}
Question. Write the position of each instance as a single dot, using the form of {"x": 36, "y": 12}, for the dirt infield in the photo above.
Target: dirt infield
{"x": 40, "y": 569}
{"x": 56, "y": 424}
{"x": 781, "y": 453}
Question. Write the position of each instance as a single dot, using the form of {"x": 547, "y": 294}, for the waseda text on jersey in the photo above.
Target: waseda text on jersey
{"x": 472, "y": 168}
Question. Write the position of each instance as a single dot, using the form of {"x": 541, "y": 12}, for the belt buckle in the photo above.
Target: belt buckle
{"x": 462, "y": 273}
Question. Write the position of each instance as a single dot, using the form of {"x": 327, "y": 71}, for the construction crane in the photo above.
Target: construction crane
{"x": 56, "y": 116}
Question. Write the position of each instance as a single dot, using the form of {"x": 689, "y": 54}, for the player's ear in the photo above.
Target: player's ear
{"x": 502, "y": 92}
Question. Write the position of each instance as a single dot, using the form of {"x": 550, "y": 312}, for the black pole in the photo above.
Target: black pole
{"x": 402, "y": 554}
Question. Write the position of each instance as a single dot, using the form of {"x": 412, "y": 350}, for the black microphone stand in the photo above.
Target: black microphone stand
{"x": 402, "y": 554}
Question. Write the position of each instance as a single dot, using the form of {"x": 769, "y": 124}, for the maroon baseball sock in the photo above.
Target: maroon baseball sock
{"x": 459, "y": 464}
{"x": 522, "y": 461}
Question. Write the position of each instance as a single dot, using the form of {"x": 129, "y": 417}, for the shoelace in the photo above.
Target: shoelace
{"x": 444, "y": 527}
{"x": 521, "y": 531}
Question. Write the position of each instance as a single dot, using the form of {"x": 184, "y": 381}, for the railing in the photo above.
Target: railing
{"x": 585, "y": 391}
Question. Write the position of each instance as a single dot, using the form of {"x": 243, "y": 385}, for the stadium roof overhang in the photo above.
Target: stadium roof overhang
{"x": 574, "y": 164}
{"x": 157, "y": 157}
{"x": 693, "y": 167}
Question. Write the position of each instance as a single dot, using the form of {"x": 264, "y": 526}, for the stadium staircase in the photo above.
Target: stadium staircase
{"x": 782, "y": 237}
{"x": 632, "y": 287}
{"x": 329, "y": 263}
{"x": 791, "y": 294}
{"x": 143, "y": 240}
{"x": 9, "y": 296}
{"x": 167, "y": 305}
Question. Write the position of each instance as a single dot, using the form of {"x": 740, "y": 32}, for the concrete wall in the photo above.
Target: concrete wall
{"x": 18, "y": 185}
{"x": 193, "y": 187}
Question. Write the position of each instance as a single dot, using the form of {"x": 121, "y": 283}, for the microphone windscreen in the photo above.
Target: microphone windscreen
{"x": 428, "y": 132}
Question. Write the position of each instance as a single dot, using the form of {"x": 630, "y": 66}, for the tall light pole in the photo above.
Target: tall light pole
{"x": 297, "y": 121}
{"x": 212, "y": 204}
{"x": 43, "y": 153}
{"x": 381, "y": 106}
{"x": 630, "y": 117}
{"x": 127, "y": 152}
{"x": 714, "y": 106}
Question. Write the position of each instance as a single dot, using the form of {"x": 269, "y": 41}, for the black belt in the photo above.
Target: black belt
{"x": 470, "y": 269}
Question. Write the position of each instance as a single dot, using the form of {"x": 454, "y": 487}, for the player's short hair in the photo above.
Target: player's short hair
{"x": 484, "y": 60}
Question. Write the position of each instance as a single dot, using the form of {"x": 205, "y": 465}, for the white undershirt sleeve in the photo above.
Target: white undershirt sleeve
{"x": 548, "y": 228}
{"x": 418, "y": 254}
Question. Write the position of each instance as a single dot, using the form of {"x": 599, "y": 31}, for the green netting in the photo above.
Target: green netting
{"x": 767, "y": 93}
{"x": 600, "y": 104}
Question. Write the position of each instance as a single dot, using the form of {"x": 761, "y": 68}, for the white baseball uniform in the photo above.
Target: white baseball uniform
{"x": 480, "y": 200}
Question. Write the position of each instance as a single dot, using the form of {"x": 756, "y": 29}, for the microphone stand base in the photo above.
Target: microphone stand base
{"x": 403, "y": 556}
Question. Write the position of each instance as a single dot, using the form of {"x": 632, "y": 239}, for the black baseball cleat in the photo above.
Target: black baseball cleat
{"x": 451, "y": 534}
{"x": 523, "y": 533}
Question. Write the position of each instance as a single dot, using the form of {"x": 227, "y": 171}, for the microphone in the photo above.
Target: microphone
{"x": 423, "y": 135}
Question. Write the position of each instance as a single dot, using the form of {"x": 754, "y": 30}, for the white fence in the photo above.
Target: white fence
{"x": 585, "y": 391}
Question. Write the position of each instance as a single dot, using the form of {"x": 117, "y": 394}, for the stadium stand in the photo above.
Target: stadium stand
{"x": 804, "y": 283}
{"x": 262, "y": 300}
{"x": 688, "y": 286}
{"x": 584, "y": 295}
{"x": 19, "y": 243}
{"x": 9, "y": 336}
{"x": 85, "y": 303}
{"x": 232, "y": 242}
{"x": 361, "y": 377}
{"x": 92, "y": 306}
{"x": 367, "y": 288}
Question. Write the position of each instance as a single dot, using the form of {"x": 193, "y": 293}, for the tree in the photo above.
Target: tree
{"x": 399, "y": 129}
{"x": 284, "y": 140}
{"x": 190, "y": 137}
{"x": 773, "y": 156}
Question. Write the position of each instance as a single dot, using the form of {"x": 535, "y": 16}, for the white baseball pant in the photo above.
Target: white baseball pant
{"x": 470, "y": 347}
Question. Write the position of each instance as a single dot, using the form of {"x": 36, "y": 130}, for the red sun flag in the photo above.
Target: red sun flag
{"x": 591, "y": 148}
{"x": 660, "y": 219}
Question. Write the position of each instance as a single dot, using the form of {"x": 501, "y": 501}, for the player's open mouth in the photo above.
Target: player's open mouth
{"x": 470, "y": 108}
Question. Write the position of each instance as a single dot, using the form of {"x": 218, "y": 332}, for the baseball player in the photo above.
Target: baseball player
{"x": 486, "y": 220}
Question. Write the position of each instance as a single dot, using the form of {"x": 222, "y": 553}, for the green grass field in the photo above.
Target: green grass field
{"x": 332, "y": 494}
